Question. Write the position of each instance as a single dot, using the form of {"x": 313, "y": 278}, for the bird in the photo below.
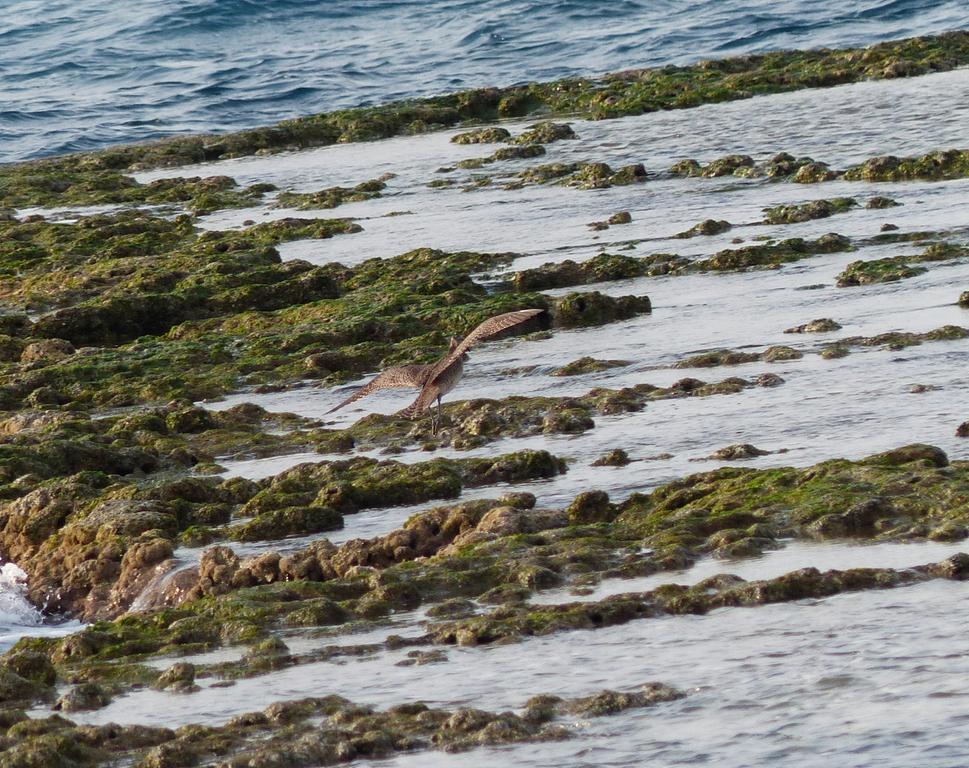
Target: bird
{"x": 437, "y": 379}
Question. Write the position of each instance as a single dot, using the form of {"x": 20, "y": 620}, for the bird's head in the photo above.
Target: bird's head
{"x": 454, "y": 345}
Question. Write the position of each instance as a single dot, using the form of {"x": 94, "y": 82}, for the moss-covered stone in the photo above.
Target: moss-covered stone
{"x": 885, "y": 270}
{"x": 489, "y": 135}
{"x": 708, "y": 227}
{"x": 934, "y": 166}
{"x": 879, "y": 202}
{"x": 545, "y": 132}
{"x": 332, "y": 196}
{"x": 512, "y": 623}
{"x": 617, "y": 457}
{"x": 821, "y": 325}
{"x": 815, "y": 209}
{"x": 588, "y": 365}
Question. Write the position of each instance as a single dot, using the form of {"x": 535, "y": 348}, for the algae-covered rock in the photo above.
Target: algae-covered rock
{"x": 600, "y": 268}
{"x": 545, "y": 132}
{"x": 32, "y": 666}
{"x": 815, "y": 209}
{"x": 964, "y": 299}
{"x": 877, "y": 271}
{"x": 879, "y": 202}
{"x": 489, "y": 135}
{"x": 821, "y": 325}
{"x": 47, "y": 350}
{"x": 928, "y": 455}
{"x": 780, "y": 353}
{"x": 16, "y": 690}
{"x": 576, "y": 310}
{"x": 617, "y": 457}
{"x": 588, "y": 365}
{"x": 288, "y": 521}
{"x": 591, "y": 507}
{"x": 859, "y": 520}
{"x": 934, "y": 166}
{"x": 717, "y": 357}
{"x": 737, "y": 452}
{"x": 727, "y": 166}
{"x": 331, "y": 197}
{"x": 82, "y": 697}
{"x": 708, "y": 227}
{"x": 179, "y": 677}
{"x": 317, "y": 613}
{"x": 568, "y": 421}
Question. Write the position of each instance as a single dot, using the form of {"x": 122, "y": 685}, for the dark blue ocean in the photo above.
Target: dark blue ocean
{"x": 81, "y": 74}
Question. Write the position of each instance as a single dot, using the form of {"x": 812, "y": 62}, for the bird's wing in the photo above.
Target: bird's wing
{"x": 400, "y": 376}
{"x": 491, "y": 326}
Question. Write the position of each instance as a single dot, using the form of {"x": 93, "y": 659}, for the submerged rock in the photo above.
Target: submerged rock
{"x": 489, "y": 135}
{"x": 82, "y": 697}
{"x": 738, "y": 451}
{"x": 877, "y": 271}
{"x": 815, "y": 209}
{"x": 706, "y": 228}
{"x": 588, "y": 365}
{"x": 821, "y": 325}
{"x": 879, "y": 202}
{"x": 617, "y": 457}
{"x": 545, "y": 132}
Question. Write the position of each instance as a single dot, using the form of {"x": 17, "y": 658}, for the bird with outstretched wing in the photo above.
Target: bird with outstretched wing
{"x": 437, "y": 379}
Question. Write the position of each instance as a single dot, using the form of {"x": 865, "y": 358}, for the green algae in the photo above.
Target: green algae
{"x": 332, "y": 196}
{"x": 940, "y": 165}
{"x": 510, "y": 623}
{"x": 314, "y": 731}
{"x": 501, "y": 553}
{"x": 706, "y": 228}
{"x": 605, "y": 267}
{"x": 894, "y": 268}
{"x": 247, "y": 319}
{"x": 934, "y": 166}
{"x": 815, "y": 209}
{"x": 314, "y": 497}
{"x": 44, "y": 184}
{"x": 489, "y": 135}
{"x": 473, "y": 423}
{"x": 885, "y": 270}
{"x": 588, "y": 365}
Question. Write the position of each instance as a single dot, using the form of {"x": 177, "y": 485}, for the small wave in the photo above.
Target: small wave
{"x": 15, "y": 611}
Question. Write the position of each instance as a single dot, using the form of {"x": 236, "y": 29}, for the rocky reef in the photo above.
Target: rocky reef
{"x": 202, "y": 544}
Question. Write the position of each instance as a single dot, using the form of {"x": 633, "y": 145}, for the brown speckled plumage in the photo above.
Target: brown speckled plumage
{"x": 437, "y": 379}
{"x": 448, "y": 371}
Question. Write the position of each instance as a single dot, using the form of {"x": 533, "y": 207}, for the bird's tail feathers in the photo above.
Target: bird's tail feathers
{"x": 424, "y": 400}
